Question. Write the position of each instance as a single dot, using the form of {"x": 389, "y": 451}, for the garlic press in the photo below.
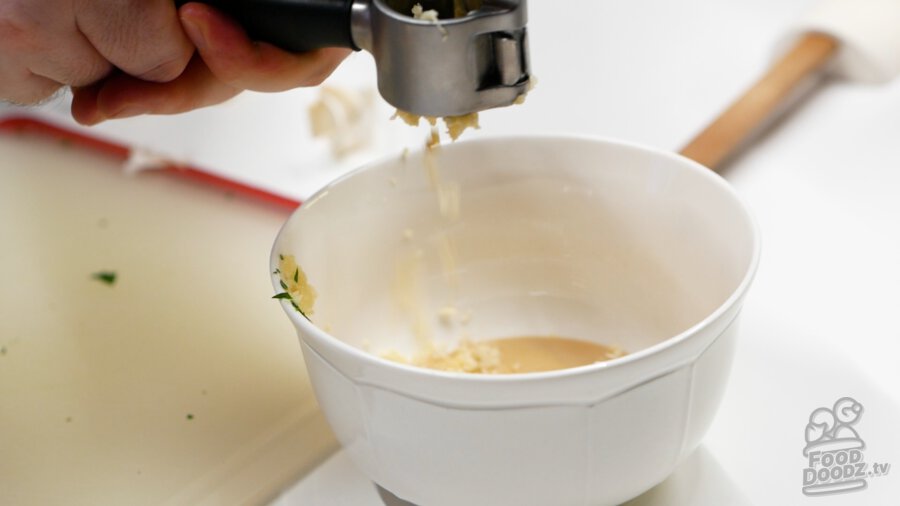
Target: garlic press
{"x": 473, "y": 57}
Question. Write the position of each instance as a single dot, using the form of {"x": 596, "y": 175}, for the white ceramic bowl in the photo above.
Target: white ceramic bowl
{"x": 576, "y": 237}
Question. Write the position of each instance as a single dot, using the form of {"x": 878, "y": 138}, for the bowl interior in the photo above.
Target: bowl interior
{"x": 578, "y": 238}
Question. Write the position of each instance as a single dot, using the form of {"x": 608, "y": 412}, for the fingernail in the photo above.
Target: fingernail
{"x": 128, "y": 110}
{"x": 194, "y": 32}
{"x": 88, "y": 119}
{"x": 85, "y": 109}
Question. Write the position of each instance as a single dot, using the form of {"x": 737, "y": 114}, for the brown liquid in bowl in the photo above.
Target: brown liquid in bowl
{"x": 548, "y": 353}
{"x": 512, "y": 355}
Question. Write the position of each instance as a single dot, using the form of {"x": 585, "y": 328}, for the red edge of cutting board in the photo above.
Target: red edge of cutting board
{"x": 25, "y": 124}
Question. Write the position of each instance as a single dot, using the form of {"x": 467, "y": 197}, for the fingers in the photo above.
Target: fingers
{"x": 228, "y": 62}
{"x": 84, "y": 105}
{"x": 143, "y": 38}
{"x": 244, "y": 64}
{"x": 40, "y": 53}
{"x": 72, "y": 61}
{"x": 122, "y": 96}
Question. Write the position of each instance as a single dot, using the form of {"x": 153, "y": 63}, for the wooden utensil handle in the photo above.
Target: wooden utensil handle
{"x": 762, "y": 102}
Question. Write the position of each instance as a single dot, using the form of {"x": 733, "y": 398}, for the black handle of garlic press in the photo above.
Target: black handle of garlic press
{"x": 293, "y": 25}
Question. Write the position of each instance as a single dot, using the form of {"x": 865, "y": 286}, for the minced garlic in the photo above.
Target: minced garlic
{"x": 512, "y": 355}
{"x": 419, "y": 12}
{"x": 293, "y": 280}
{"x": 468, "y": 357}
{"x": 456, "y": 125}
{"x": 413, "y": 119}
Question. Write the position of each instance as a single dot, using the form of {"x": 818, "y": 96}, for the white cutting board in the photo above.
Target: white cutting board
{"x": 183, "y": 382}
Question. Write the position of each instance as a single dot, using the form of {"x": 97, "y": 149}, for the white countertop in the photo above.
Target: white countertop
{"x": 820, "y": 322}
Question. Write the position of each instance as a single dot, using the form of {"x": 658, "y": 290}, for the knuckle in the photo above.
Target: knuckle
{"x": 88, "y": 73}
{"x": 169, "y": 69}
{"x": 143, "y": 38}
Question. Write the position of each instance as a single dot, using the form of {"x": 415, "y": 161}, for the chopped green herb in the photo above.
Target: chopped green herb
{"x": 190, "y": 416}
{"x": 297, "y": 275}
{"x": 277, "y": 271}
{"x": 283, "y": 284}
{"x": 281, "y": 257}
{"x": 108, "y": 277}
{"x": 299, "y": 310}
{"x": 287, "y": 296}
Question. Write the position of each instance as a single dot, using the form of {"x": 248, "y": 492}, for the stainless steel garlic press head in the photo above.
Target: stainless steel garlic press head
{"x": 474, "y": 57}
{"x": 451, "y": 67}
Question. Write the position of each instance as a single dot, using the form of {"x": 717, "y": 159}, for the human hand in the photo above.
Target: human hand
{"x": 47, "y": 44}
{"x": 226, "y": 63}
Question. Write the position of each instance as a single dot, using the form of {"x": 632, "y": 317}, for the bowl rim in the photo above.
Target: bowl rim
{"x": 310, "y": 329}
